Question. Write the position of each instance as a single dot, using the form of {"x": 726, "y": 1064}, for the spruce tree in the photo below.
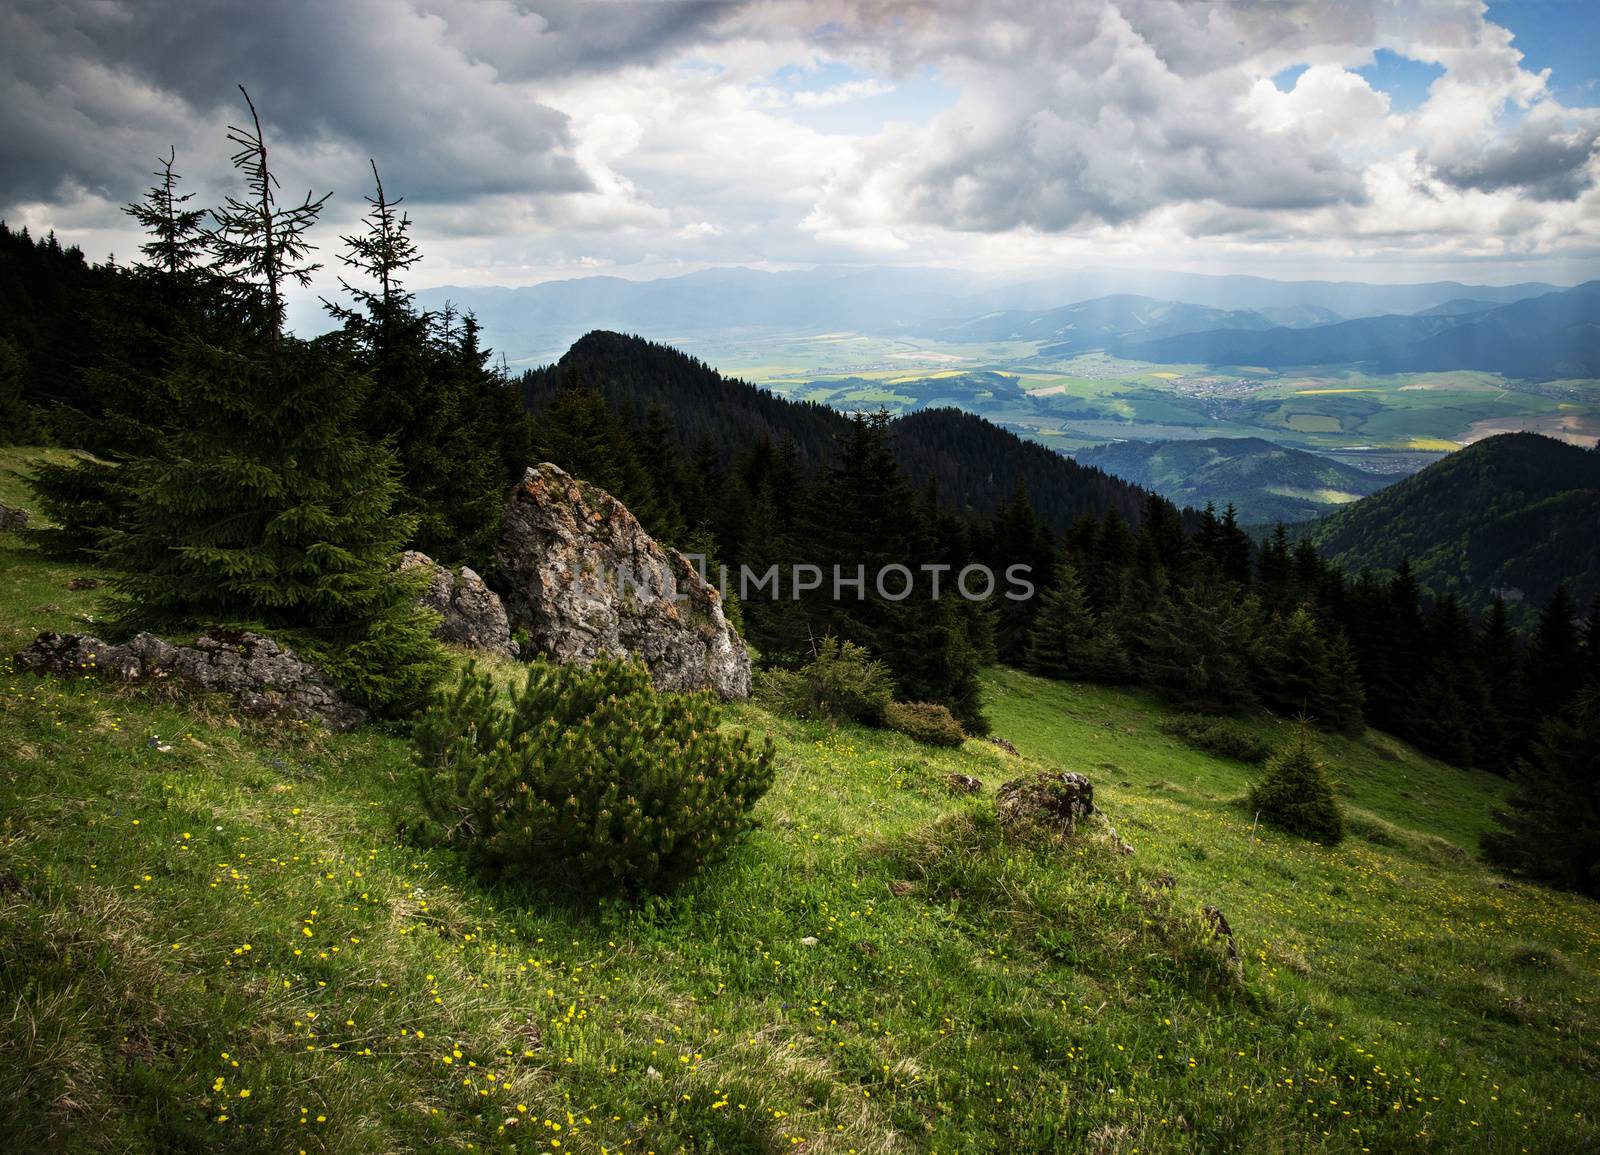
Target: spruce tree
{"x": 1113, "y": 552}
{"x": 1294, "y": 793}
{"x": 1067, "y": 641}
{"x": 261, "y": 504}
{"x": 1202, "y": 647}
{"x": 1300, "y": 671}
{"x": 1549, "y": 829}
{"x": 1498, "y": 659}
{"x": 1237, "y": 550}
{"x": 19, "y": 425}
{"x": 1555, "y": 668}
{"x": 427, "y": 397}
{"x": 1208, "y": 538}
{"x": 261, "y": 247}
{"x": 1275, "y": 571}
{"x": 175, "y": 243}
{"x": 1019, "y": 538}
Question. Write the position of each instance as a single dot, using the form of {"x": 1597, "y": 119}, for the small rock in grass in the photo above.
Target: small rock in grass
{"x": 809, "y": 940}
{"x": 963, "y": 784}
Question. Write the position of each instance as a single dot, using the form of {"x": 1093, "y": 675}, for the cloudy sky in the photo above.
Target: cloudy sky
{"x": 534, "y": 139}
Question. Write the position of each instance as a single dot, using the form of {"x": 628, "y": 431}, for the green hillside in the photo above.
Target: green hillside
{"x": 1264, "y": 481}
{"x": 1514, "y": 513}
{"x": 215, "y": 937}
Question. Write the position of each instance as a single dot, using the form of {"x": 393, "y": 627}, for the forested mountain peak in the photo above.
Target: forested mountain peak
{"x": 1513, "y": 514}
{"x": 976, "y": 464}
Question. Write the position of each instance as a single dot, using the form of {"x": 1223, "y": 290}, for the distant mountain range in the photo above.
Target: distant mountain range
{"x": 1513, "y": 514}
{"x": 1102, "y": 321}
{"x": 1555, "y": 335}
{"x": 536, "y": 323}
{"x": 1264, "y": 482}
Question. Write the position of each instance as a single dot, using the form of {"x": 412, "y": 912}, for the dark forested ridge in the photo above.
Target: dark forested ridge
{"x": 975, "y": 464}
{"x": 1513, "y": 515}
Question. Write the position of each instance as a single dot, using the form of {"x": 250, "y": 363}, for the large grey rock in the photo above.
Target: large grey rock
{"x": 1045, "y": 803}
{"x": 472, "y": 614}
{"x": 261, "y": 676}
{"x": 12, "y": 518}
{"x": 578, "y": 572}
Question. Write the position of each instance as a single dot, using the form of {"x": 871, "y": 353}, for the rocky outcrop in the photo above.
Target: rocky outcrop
{"x": 472, "y": 614}
{"x": 1046, "y": 803}
{"x": 12, "y": 518}
{"x": 578, "y": 572}
{"x": 261, "y": 676}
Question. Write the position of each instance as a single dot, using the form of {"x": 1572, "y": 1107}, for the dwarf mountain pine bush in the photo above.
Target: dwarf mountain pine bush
{"x": 587, "y": 778}
{"x": 842, "y": 683}
{"x": 925, "y": 722}
{"x": 1223, "y": 737}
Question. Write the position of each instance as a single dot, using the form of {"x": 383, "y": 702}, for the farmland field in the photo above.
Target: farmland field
{"x": 1087, "y": 399}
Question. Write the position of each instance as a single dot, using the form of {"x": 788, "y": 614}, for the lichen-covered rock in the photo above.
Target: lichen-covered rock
{"x": 12, "y": 518}
{"x": 471, "y": 613}
{"x": 578, "y": 572}
{"x": 1046, "y": 803}
{"x": 261, "y": 676}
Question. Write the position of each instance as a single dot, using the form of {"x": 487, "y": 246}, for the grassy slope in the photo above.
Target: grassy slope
{"x": 205, "y": 900}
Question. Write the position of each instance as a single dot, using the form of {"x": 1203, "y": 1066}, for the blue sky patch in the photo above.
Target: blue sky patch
{"x": 1561, "y": 35}
{"x": 1405, "y": 80}
{"x": 915, "y": 99}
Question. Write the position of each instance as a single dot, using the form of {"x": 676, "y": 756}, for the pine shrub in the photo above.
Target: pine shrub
{"x": 1223, "y": 737}
{"x": 926, "y": 722}
{"x": 587, "y": 778}
{"x": 1294, "y": 793}
{"x": 842, "y": 683}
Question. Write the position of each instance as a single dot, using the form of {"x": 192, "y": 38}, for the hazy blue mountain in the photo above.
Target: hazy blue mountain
{"x": 1265, "y": 482}
{"x": 1094, "y": 324}
{"x": 1299, "y": 316}
{"x": 1345, "y": 298}
{"x": 1340, "y": 343}
{"x": 538, "y": 322}
{"x": 1556, "y": 335}
{"x": 1458, "y": 306}
{"x": 1553, "y": 335}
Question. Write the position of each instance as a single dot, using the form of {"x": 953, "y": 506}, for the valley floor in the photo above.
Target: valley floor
{"x": 216, "y": 936}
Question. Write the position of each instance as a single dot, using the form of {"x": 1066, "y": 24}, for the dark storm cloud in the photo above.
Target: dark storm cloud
{"x": 92, "y": 90}
{"x": 1548, "y": 166}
